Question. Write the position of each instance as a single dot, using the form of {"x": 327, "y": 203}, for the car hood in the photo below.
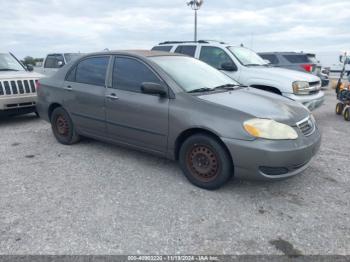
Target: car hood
{"x": 19, "y": 75}
{"x": 260, "y": 104}
{"x": 276, "y": 73}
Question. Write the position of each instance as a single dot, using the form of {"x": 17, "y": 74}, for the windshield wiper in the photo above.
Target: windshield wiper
{"x": 226, "y": 87}
{"x": 253, "y": 64}
{"x": 207, "y": 89}
{"x": 202, "y": 89}
{"x": 7, "y": 69}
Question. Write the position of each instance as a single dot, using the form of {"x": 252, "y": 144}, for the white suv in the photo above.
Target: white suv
{"x": 248, "y": 68}
{"x": 17, "y": 87}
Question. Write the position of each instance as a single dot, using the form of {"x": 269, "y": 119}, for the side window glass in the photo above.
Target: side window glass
{"x": 71, "y": 75}
{"x": 214, "y": 56}
{"x": 165, "y": 48}
{"x": 54, "y": 61}
{"x": 92, "y": 71}
{"x": 272, "y": 58}
{"x": 189, "y": 50}
{"x": 129, "y": 74}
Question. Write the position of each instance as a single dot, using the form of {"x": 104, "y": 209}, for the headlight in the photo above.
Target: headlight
{"x": 269, "y": 129}
{"x": 301, "y": 88}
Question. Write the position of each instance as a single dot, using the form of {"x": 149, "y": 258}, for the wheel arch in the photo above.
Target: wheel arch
{"x": 52, "y": 107}
{"x": 268, "y": 88}
{"x": 194, "y": 131}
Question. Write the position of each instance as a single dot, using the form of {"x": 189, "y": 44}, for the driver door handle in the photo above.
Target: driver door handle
{"x": 112, "y": 96}
{"x": 69, "y": 88}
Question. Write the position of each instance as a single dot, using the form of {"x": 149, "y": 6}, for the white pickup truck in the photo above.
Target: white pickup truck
{"x": 53, "y": 62}
{"x": 17, "y": 86}
{"x": 248, "y": 68}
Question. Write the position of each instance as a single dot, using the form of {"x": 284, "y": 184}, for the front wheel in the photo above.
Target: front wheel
{"x": 347, "y": 114}
{"x": 339, "y": 108}
{"x": 205, "y": 162}
{"x": 63, "y": 127}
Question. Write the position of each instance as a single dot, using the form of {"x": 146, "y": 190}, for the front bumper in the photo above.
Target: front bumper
{"x": 263, "y": 159}
{"x": 17, "y": 101}
{"x": 312, "y": 102}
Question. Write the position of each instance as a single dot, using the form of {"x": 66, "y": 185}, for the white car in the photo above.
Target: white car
{"x": 53, "y": 62}
{"x": 17, "y": 86}
{"x": 248, "y": 68}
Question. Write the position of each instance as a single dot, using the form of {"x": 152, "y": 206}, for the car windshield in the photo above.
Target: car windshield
{"x": 246, "y": 56}
{"x": 191, "y": 74}
{"x": 71, "y": 57}
{"x": 9, "y": 63}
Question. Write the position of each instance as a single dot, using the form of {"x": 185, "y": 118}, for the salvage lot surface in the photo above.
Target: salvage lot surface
{"x": 95, "y": 198}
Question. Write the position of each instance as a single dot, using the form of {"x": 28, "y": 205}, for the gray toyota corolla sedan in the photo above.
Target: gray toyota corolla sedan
{"x": 183, "y": 109}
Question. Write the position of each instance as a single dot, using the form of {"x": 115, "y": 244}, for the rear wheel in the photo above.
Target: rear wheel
{"x": 63, "y": 127}
{"x": 339, "y": 108}
{"x": 205, "y": 162}
{"x": 347, "y": 114}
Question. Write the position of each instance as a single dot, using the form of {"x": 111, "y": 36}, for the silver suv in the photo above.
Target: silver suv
{"x": 246, "y": 67}
{"x": 17, "y": 86}
{"x": 304, "y": 62}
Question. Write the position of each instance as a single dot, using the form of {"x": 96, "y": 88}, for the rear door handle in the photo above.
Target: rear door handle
{"x": 69, "y": 88}
{"x": 112, "y": 96}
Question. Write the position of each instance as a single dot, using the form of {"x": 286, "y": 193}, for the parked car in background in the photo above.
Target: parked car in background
{"x": 53, "y": 62}
{"x": 183, "y": 109}
{"x": 17, "y": 86}
{"x": 304, "y": 62}
{"x": 248, "y": 68}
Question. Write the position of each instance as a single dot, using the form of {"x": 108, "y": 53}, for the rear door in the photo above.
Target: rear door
{"x": 189, "y": 50}
{"x": 133, "y": 117}
{"x": 86, "y": 85}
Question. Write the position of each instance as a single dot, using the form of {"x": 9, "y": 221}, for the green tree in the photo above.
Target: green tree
{"x": 28, "y": 60}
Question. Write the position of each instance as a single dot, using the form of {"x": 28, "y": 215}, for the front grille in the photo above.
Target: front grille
{"x": 312, "y": 84}
{"x": 28, "y": 104}
{"x": 14, "y": 87}
{"x": 307, "y": 126}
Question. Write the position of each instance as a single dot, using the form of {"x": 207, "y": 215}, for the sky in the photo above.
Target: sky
{"x": 38, "y": 27}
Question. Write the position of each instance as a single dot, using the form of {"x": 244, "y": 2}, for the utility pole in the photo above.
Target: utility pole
{"x": 195, "y": 5}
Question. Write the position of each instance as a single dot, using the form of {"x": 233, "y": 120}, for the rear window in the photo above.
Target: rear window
{"x": 189, "y": 50}
{"x": 272, "y": 58}
{"x": 52, "y": 61}
{"x": 297, "y": 59}
{"x": 165, "y": 48}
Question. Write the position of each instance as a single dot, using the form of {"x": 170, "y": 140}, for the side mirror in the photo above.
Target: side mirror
{"x": 30, "y": 68}
{"x": 60, "y": 63}
{"x": 153, "y": 89}
{"x": 267, "y": 61}
{"x": 228, "y": 66}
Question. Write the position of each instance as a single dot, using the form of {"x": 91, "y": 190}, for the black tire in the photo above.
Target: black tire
{"x": 63, "y": 127}
{"x": 347, "y": 114}
{"x": 339, "y": 108}
{"x": 205, "y": 162}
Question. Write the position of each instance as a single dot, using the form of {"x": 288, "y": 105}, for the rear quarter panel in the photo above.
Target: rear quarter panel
{"x": 50, "y": 92}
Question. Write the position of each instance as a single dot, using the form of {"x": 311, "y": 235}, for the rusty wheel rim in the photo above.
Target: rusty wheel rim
{"x": 203, "y": 163}
{"x": 62, "y": 126}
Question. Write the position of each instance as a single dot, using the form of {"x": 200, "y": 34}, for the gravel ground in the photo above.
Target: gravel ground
{"x": 95, "y": 198}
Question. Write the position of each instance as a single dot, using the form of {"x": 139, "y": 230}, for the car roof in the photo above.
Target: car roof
{"x": 140, "y": 53}
{"x": 199, "y": 42}
{"x": 284, "y": 53}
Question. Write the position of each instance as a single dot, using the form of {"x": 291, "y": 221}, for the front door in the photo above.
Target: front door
{"x": 133, "y": 117}
{"x": 216, "y": 56}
